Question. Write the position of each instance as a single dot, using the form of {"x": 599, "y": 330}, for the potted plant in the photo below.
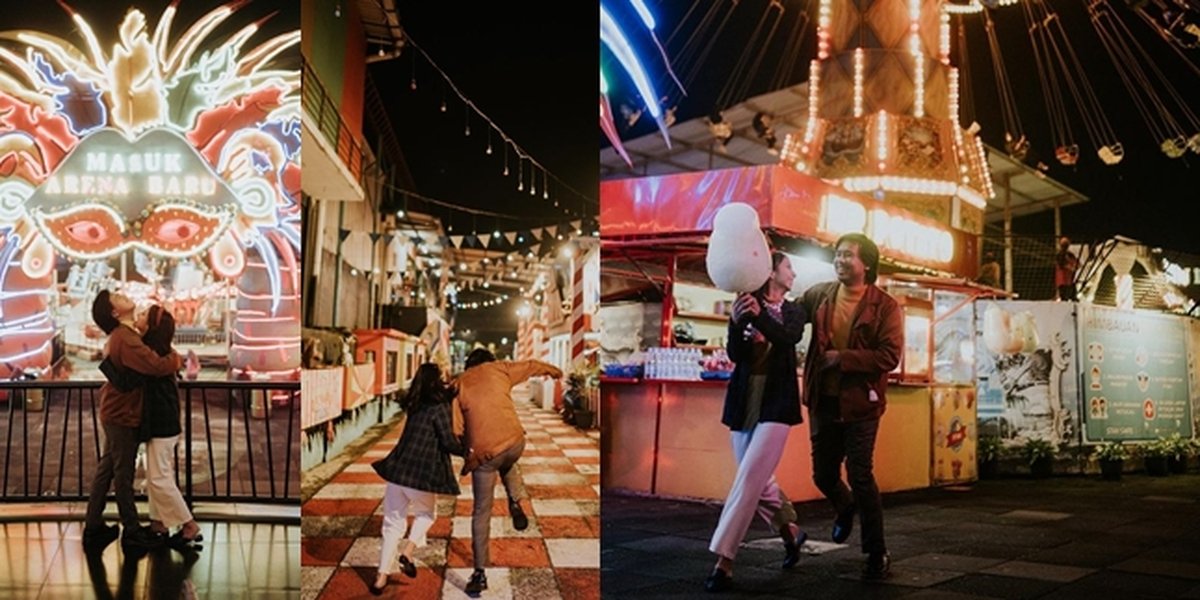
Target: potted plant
{"x": 1040, "y": 456}
{"x": 1155, "y": 456}
{"x": 988, "y": 455}
{"x": 1111, "y": 456}
{"x": 1180, "y": 450}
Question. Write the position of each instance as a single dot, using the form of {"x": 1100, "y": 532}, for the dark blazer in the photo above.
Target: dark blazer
{"x": 781, "y": 394}
{"x": 873, "y": 350}
{"x": 160, "y": 408}
{"x": 421, "y": 459}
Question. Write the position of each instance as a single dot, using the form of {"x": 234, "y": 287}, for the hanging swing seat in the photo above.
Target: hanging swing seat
{"x": 1174, "y": 147}
{"x": 1017, "y": 148}
{"x": 1112, "y": 153}
{"x": 1194, "y": 143}
{"x": 1067, "y": 155}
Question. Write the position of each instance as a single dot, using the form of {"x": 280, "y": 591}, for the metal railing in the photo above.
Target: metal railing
{"x": 240, "y": 441}
{"x": 316, "y": 101}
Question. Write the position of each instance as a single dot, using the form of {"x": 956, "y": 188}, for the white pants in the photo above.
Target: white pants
{"x": 397, "y": 501}
{"x": 754, "y": 488}
{"x": 166, "y": 502}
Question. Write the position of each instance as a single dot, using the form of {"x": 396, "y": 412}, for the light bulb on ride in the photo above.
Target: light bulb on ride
{"x": 738, "y": 257}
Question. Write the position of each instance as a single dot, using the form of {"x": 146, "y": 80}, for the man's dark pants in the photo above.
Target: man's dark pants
{"x": 116, "y": 469}
{"x": 833, "y": 442}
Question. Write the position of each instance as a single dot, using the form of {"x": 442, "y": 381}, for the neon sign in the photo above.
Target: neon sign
{"x": 898, "y": 233}
{"x": 175, "y": 146}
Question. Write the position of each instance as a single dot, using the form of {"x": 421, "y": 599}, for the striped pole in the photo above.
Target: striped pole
{"x": 577, "y": 320}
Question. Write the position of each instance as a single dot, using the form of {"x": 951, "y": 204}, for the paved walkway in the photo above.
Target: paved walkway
{"x": 1013, "y": 538}
{"x": 556, "y": 557}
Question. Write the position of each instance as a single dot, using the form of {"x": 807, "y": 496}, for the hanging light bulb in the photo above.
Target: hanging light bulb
{"x": 412, "y": 84}
{"x": 381, "y": 52}
{"x": 489, "y": 148}
{"x": 337, "y": 10}
{"x": 443, "y": 105}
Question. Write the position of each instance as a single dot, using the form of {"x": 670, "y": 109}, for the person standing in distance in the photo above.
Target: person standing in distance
{"x": 857, "y": 338}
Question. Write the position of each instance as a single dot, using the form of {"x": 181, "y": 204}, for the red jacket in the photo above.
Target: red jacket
{"x": 873, "y": 350}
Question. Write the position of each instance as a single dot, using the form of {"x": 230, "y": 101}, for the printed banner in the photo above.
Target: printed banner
{"x": 321, "y": 399}
{"x": 954, "y": 435}
{"x": 1026, "y": 371}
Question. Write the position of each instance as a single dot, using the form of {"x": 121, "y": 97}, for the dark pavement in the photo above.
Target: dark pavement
{"x": 1065, "y": 537}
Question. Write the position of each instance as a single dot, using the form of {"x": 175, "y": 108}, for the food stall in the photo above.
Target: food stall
{"x": 661, "y": 318}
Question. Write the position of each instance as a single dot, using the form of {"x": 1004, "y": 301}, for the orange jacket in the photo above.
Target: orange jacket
{"x": 126, "y": 350}
{"x": 485, "y": 399}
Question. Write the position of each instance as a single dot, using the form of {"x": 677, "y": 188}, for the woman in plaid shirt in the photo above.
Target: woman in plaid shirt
{"x": 417, "y": 469}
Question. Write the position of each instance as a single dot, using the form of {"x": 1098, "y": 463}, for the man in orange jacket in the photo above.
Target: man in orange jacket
{"x": 494, "y": 434}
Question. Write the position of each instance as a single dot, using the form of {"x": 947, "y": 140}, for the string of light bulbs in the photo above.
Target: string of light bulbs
{"x": 522, "y": 154}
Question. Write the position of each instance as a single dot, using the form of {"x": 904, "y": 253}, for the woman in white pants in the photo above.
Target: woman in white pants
{"x": 416, "y": 470}
{"x": 762, "y": 404}
{"x": 160, "y": 430}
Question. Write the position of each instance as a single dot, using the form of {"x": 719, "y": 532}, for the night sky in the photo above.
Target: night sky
{"x": 1148, "y": 196}
{"x": 531, "y": 67}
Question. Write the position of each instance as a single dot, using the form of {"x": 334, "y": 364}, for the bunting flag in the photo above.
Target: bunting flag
{"x": 537, "y": 234}
{"x": 553, "y": 229}
{"x": 375, "y": 237}
{"x": 343, "y": 234}
{"x": 484, "y": 237}
{"x": 576, "y": 225}
{"x": 511, "y": 236}
{"x": 456, "y": 240}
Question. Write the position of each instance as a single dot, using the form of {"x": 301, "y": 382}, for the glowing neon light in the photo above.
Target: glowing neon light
{"x": 612, "y": 37}
{"x": 644, "y": 13}
{"x": 858, "y": 82}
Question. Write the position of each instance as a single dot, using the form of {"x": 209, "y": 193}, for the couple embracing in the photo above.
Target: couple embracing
{"x": 139, "y": 403}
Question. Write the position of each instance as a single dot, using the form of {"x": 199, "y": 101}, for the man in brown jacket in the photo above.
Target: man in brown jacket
{"x": 494, "y": 434}
{"x": 857, "y": 337}
{"x": 120, "y": 415}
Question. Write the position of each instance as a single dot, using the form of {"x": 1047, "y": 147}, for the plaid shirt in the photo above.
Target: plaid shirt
{"x": 421, "y": 459}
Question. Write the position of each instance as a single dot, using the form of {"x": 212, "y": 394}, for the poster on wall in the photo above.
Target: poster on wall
{"x": 322, "y": 395}
{"x": 1135, "y": 374}
{"x": 1194, "y": 371}
{"x": 1026, "y": 373}
{"x": 954, "y": 435}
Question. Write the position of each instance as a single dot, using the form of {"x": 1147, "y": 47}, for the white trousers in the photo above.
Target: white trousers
{"x": 397, "y": 501}
{"x": 166, "y": 502}
{"x": 754, "y": 488}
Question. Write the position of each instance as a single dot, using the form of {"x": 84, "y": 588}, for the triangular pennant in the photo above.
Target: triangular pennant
{"x": 553, "y": 230}
{"x": 484, "y": 238}
{"x": 537, "y": 234}
{"x": 456, "y": 240}
{"x": 375, "y": 237}
{"x": 576, "y": 224}
{"x": 343, "y": 234}
{"x": 511, "y": 236}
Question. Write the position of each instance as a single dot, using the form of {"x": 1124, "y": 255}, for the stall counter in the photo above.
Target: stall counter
{"x": 665, "y": 438}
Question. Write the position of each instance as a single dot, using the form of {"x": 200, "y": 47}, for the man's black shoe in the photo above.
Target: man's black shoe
{"x": 99, "y": 538}
{"x": 142, "y": 538}
{"x": 718, "y": 581}
{"x": 843, "y": 525}
{"x": 520, "y": 521}
{"x": 791, "y": 547}
{"x": 477, "y": 584}
{"x": 879, "y": 564}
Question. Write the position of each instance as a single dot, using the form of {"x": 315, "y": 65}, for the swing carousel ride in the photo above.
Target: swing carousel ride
{"x": 886, "y": 88}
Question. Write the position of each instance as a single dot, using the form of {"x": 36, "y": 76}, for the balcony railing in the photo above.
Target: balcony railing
{"x": 240, "y": 442}
{"x": 318, "y": 104}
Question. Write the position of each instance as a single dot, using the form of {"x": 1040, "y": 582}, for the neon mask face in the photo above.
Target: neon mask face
{"x": 155, "y": 193}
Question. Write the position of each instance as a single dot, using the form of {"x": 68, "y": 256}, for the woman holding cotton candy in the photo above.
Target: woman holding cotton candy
{"x": 762, "y": 402}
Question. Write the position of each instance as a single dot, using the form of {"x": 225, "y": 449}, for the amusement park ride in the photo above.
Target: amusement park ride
{"x": 884, "y": 87}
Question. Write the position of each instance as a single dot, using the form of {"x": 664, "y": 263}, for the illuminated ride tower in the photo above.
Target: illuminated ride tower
{"x": 883, "y": 112}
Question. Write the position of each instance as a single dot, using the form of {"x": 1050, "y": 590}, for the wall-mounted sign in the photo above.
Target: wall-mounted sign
{"x": 1135, "y": 374}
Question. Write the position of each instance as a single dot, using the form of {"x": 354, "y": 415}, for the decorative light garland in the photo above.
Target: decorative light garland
{"x": 858, "y": 82}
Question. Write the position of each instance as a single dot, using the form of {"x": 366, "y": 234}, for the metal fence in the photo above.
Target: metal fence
{"x": 240, "y": 441}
